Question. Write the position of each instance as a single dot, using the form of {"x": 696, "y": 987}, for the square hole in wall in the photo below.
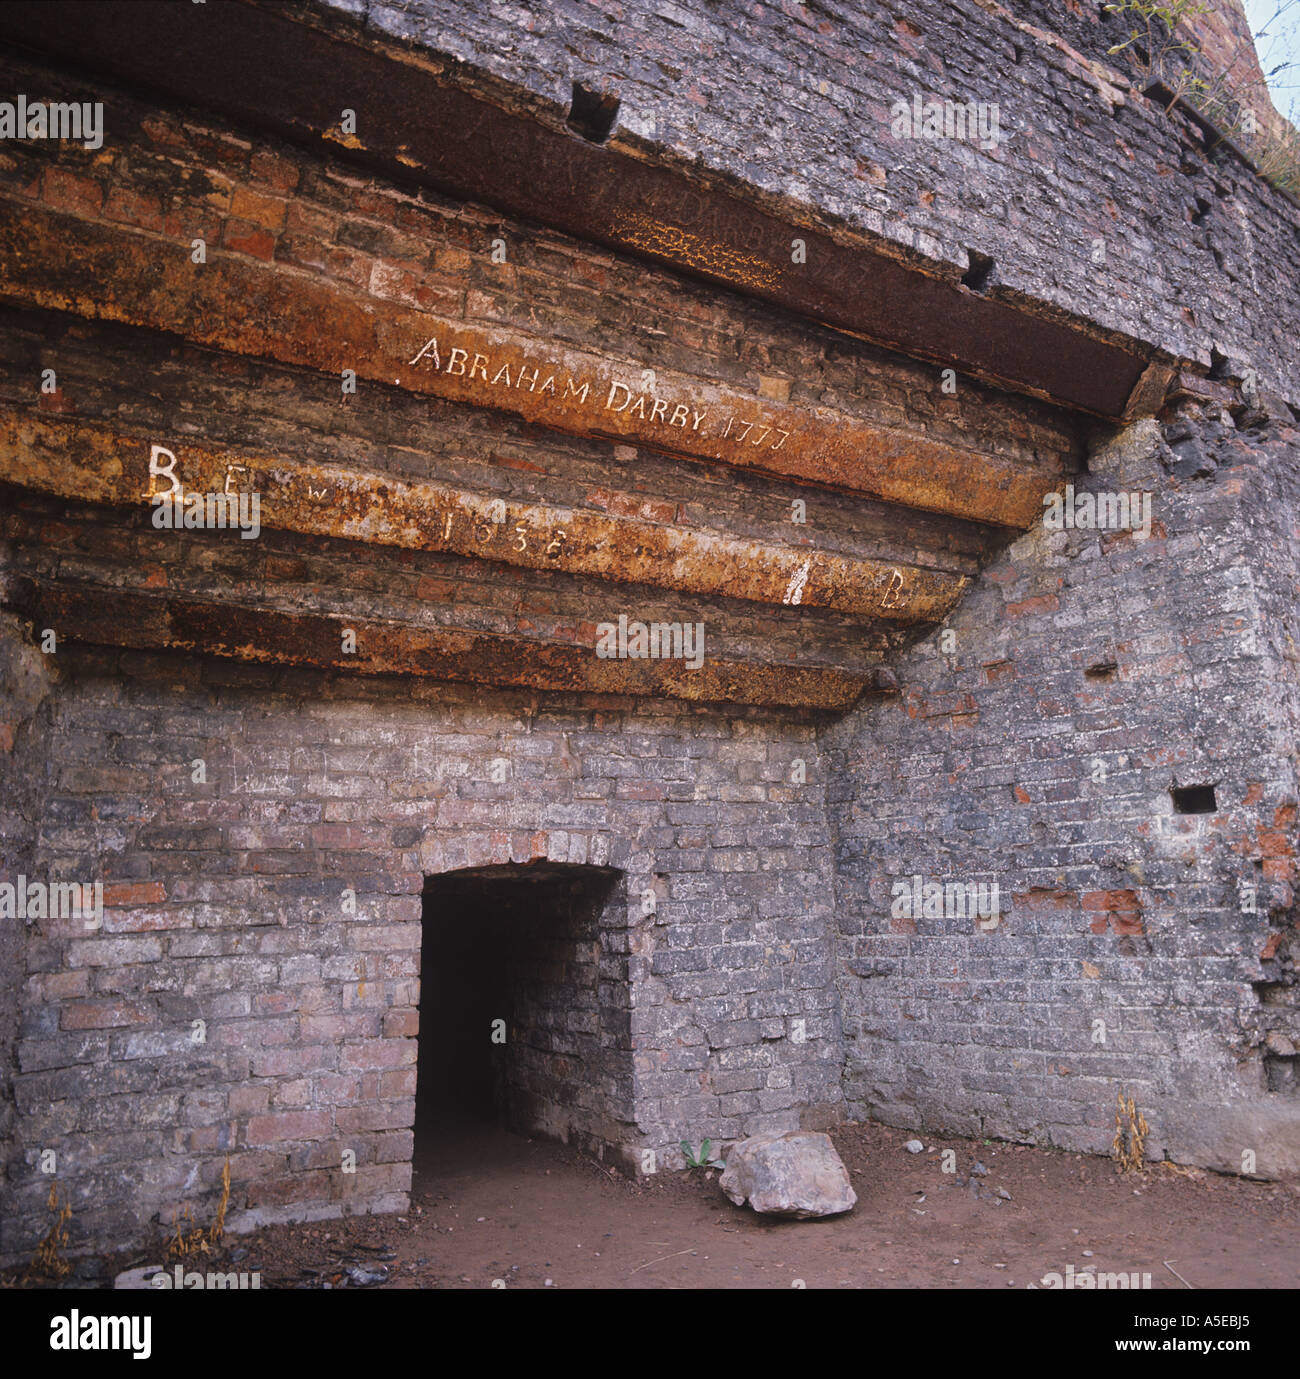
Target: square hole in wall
{"x": 1194, "y": 799}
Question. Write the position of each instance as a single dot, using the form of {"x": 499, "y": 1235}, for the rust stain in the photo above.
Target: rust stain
{"x": 60, "y": 262}
{"x": 131, "y": 619}
{"x": 684, "y": 247}
{"x": 97, "y": 463}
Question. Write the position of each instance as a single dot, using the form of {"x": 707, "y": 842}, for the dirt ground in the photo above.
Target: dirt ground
{"x": 489, "y": 1206}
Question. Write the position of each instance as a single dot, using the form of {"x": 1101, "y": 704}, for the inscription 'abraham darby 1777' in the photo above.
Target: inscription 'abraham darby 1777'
{"x": 579, "y": 391}
{"x": 620, "y": 398}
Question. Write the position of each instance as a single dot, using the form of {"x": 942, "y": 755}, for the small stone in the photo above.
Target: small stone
{"x": 1004, "y": 1194}
{"x": 979, "y": 1171}
{"x": 914, "y": 1146}
{"x": 363, "y": 1275}
{"x": 1087, "y": 1254}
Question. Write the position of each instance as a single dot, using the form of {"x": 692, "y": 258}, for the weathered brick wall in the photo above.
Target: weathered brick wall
{"x": 795, "y": 100}
{"x": 223, "y": 904}
{"x": 1088, "y": 674}
{"x": 224, "y": 896}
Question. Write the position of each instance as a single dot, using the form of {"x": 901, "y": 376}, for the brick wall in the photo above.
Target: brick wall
{"x": 224, "y": 904}
{"x": 224, "y": 897}
{"x": 1037, "y": 746}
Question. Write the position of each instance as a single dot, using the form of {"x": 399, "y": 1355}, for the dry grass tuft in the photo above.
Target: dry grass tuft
{"x": 1128, "y": 1148}
{"x": 200, "y": 1240}
{"x": 48, "y": 1261}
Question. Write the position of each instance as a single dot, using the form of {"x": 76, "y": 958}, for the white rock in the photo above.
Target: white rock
{"x": 914, "y": 1146}
{"x": 798, "y": 1174}
{"x": 137, "y": 1278}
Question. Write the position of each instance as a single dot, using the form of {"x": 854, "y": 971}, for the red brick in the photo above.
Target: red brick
{"x": 103, "y": 1015}
{"x": 131, "y": 207}
{"x": 257, "y": 209}
{"x": 279, "y": 1126}
{"x": 243, "y": 238}
{"x": 398, "y": 1083}
{"x": 281, "y": 174}
{"x": 1043, "y": 603}
{"x": 371, "y": 1056}
{"x": 280, "y": 1192}
{"x": 401, "y": 1024}
{"x": 134, "y": 893}
{"x": 292, "y": 1062}
{"x": 1118, "y": 910}
{"x": 66, "y": 191}
{"x": 632, "y": 505}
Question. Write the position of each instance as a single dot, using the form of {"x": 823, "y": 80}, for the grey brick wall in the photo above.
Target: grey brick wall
{"x": 223, "y": 905}
{"x": 1087, "y": 676}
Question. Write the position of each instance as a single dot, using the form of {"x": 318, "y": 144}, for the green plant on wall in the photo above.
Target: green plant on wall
{"x": 702, "y": 1159}
{"x": 1153, "y": 45}
{"x": 1158, "y": 53}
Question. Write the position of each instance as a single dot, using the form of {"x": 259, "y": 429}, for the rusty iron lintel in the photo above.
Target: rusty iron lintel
{"x": 99, "y": 464}
{"x": 267, "y": 68}
{"x": 58, "y": 261}
{"x": 136, "y": 620}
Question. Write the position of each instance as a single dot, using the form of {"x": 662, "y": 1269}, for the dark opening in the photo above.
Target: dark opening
{"x": 1280, "y": 1073}
{"x": 980, "y": 272}
{"x": 1194, "y": 799}
{"x": 592, "y": 113}
{"x": 522, "y": 1001}
{"x": 1103, "y": 670}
